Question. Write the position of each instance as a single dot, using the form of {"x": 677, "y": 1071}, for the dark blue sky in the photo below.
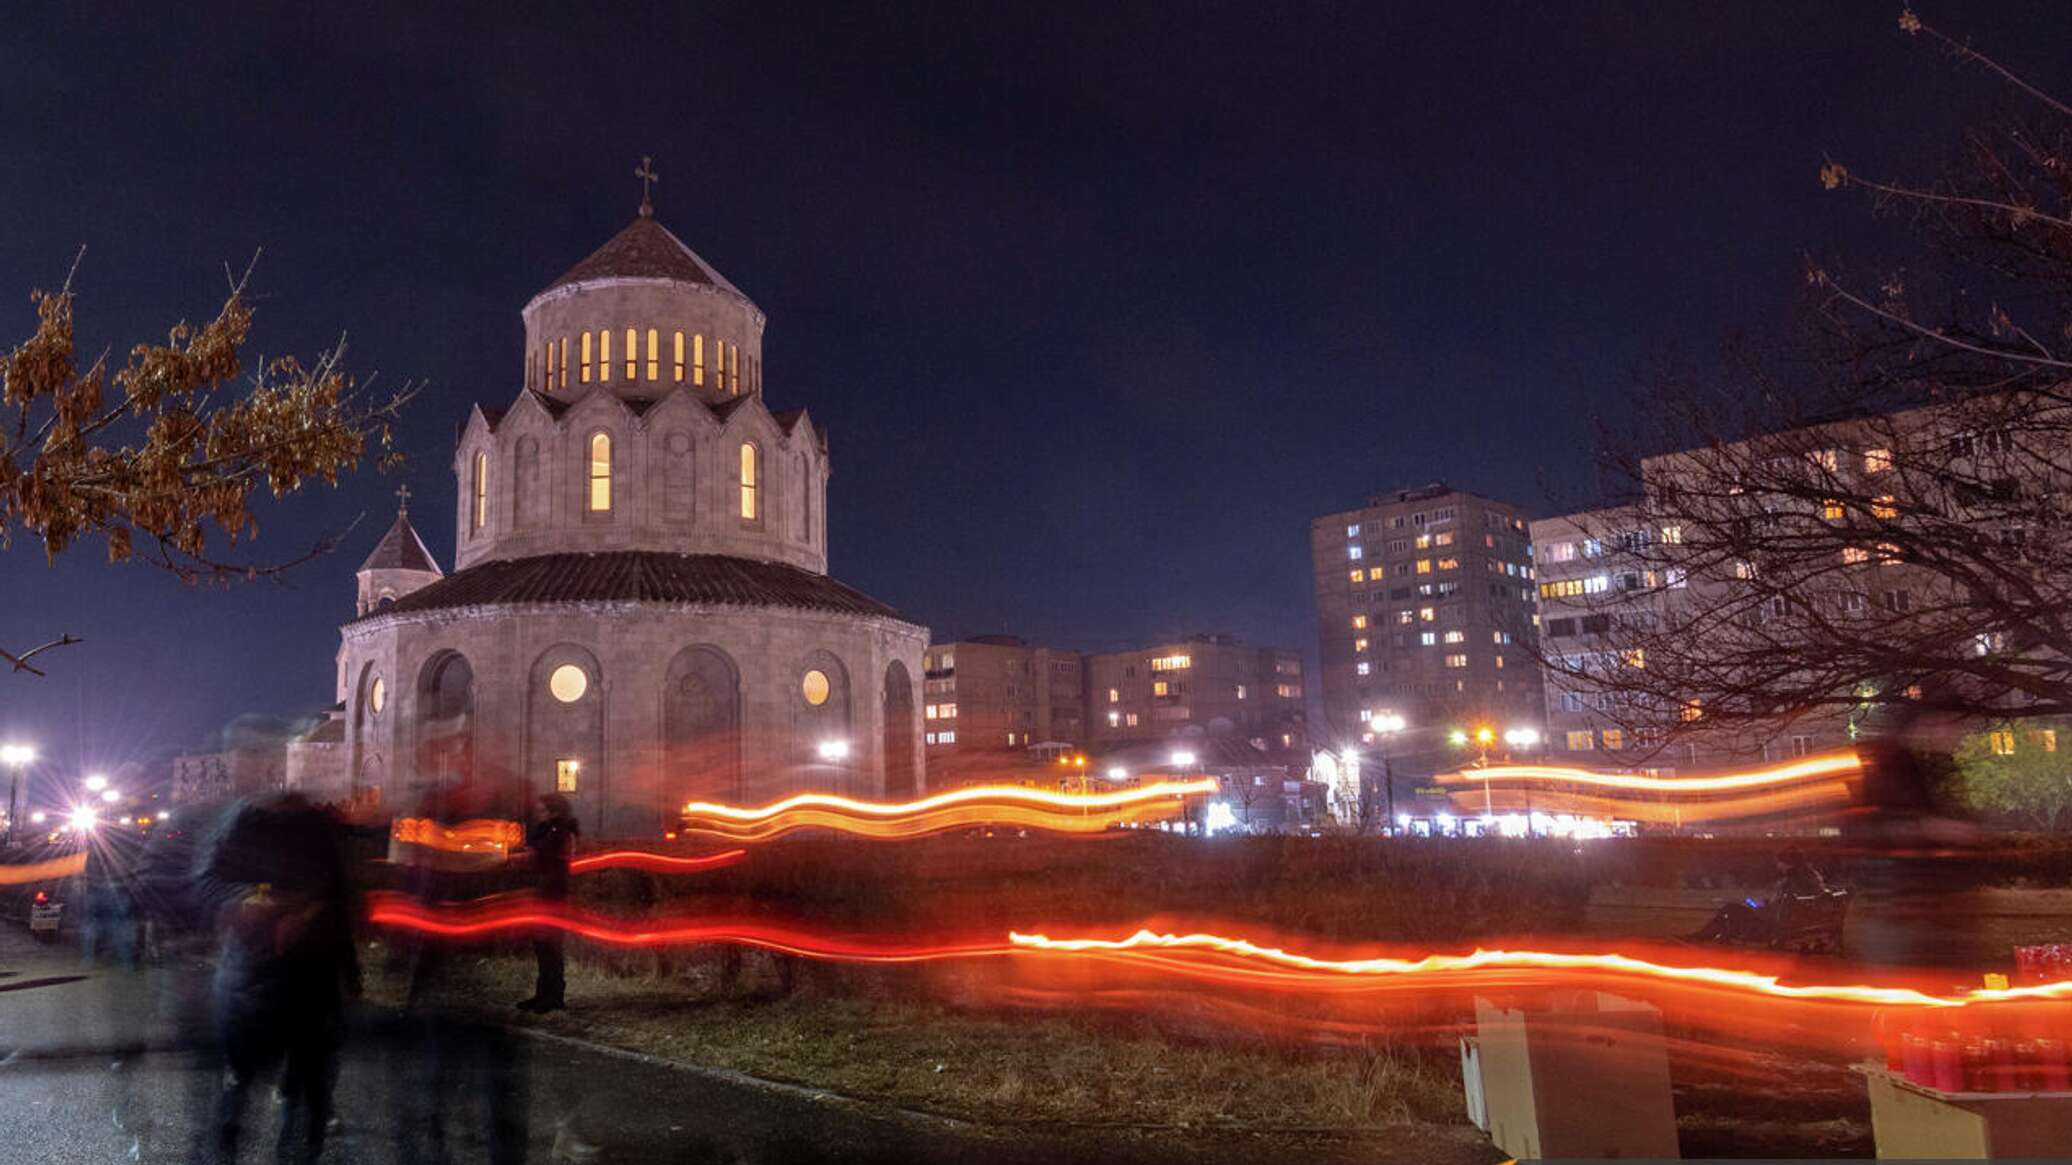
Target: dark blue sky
{"x": 1100, "y": 305}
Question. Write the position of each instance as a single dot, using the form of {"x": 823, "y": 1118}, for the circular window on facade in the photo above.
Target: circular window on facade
{"x": 568, "y": 683}
{"x": 377, "y": 696}
{"x": 814, "y": 687}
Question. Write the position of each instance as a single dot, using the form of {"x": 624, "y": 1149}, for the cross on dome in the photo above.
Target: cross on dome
{"x": 647, "y": 175}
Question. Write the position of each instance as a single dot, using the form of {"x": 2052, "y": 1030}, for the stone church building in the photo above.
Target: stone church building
{"x": 639, "y": 613}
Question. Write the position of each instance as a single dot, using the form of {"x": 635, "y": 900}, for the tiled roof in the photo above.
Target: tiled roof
{"x": 639, "y": 576}
{"x": 644, "y": 250}
{"x": 401, "y": 549}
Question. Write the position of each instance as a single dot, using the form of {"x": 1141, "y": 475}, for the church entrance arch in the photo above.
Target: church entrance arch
{"x": 822, "y": 747}
{"x": 701, "y": 726}
{"x": 902, "y": 776}
{"x": 445, "y": 720}
{"x": 564, "y": 733}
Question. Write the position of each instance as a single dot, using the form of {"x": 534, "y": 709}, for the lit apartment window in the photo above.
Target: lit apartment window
{"x": 1160, "y": 688}
{"x": 1831, "y": 509}
{"x": 1424, "y": 541}
{"x": 1114, "y": 719}
{"x": 1672, "y": 535}
{"x": 1581, "y": 740}
{"x": 1427, "y": 638}
{"x": 1363, "y": 667}
{"x": 1172, "y": 662}
{"x": 1366, "y": 714}
{"x": 566, "y": 771}
{"x": 1691, "y": 710}
{"x": 929, "y": 737}
{"x": 1357, "y": 575}
{"x": 1877, "y": 460}
{"x": 1353, "y": 531}
{"x": 1852, "y": 555}
{"x": 1427, "y": 614}
{"x": 2046, "y": 739}
{"x": 1561, "y": 551}
{"x": 1456, "y": 636}
{"x": 749, "y": 484}
{"x": 1634, "y": 657}
{"x": 1353, "y": 552}
{"x": 1114, "y": 697}
{"x": 600, "y": 473}
{"x": 1360, "y": 644}
{"x": 1405, "y": 617}
{"x": 1445, "y": 538}
{"x": 946, "y": 711}
{"x": 1888, "y": 554}
{"x": 1424, "y": 566}
{"x": 1288, "y": 691}
{"x": 945, "y": 738}
{"x": 1129, "y": 720}
{"x": 1449, "y": 564}
{"x": 1885, "y": 507}
{"x": 1456, "y": 661}
{"x": 1359, "y": 622}
{"x": 2002, "y": 742}
{"x": 1614, "y": 739}
{"x": 1240, "y": 691}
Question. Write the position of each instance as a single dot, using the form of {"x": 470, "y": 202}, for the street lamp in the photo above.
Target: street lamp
{"x": 1183, "y": 759}
{"x": 1384, "y": 725}
{"x": 1118, "y": 773}
{"x": 15, "y": 757}
{"x": 96, "y": 782}
{"x": 833, "y": 750}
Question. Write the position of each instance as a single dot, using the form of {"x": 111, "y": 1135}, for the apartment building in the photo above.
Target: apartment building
{"x": 998, "y": 694}
{"x": 1425, "y": 601}
{"x": 1204, "y": 685}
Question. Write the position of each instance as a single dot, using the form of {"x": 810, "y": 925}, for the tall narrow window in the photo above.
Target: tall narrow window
{"x": 748, "y": 482}
{"x": 719, "y": 364}
{"x": 480, "y": 510}
{"x": 604, "y": 354}
{"x": 632, "y": 354}
{"x": 679, "y": 357}
{"x": 564, "y": 361}
{"x": 586, "y": 357}
{"x": 734, "y": 368}
{"x": 600, "y": 473}
{"x": 698, "y": 360}
{"x": 654, "y": 355}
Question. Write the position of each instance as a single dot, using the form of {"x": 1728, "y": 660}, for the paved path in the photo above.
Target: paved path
{"x": 78, "y": 1047}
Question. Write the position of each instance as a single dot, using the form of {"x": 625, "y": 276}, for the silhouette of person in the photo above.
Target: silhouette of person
{"x": 552, "y": 840}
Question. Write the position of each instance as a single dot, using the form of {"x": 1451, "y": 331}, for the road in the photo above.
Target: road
{"x": 91, "y": 1070}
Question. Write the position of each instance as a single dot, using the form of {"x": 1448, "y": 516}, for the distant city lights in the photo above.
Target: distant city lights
{"x": 1181, "y": 759}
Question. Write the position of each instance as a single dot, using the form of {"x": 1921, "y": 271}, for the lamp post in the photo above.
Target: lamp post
{"x": 1522, "y": 739}
{"x": 15, "y": 757}
{"x": 1385, "y": 725}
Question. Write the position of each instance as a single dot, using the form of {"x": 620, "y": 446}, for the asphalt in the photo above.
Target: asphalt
{"x": 93, "y": 1068}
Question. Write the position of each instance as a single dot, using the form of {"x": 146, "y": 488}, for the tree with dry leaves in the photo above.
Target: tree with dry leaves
{"x": 1871, "y": 524}
{"x": 163, "y": 455}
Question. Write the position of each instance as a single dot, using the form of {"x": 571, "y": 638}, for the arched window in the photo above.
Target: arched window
{"x": 479, "y": 512}
{"x": 749, "y": 484}
{"x": 604, "y": 354}
{"x": 679, "y": 357}
{"x": 600, "y": 473}
{"x": 586, "y": 357}
{"x": 654, "y": 355}
{"x": 632, "y": 354}
{"x": 698, "y": 360}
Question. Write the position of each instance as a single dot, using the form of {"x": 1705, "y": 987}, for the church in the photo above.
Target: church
{"x": 639, "y": 612}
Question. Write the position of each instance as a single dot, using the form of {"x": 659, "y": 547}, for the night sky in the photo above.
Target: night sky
{"x": 1100, "y": 306}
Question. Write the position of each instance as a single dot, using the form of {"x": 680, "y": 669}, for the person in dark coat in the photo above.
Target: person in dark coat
{"x": 276, "y": 875}
{"x": 1756, "y": 921}
{"x": 552, "y": 840}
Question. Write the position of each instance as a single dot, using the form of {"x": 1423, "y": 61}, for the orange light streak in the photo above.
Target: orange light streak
{"x": 996, "y": 805}
{"x": 43, "y": 871}
{"x": 1802, "y": 770}
{"x": 1792, "y": 799}
{"x": 654, "y": 863}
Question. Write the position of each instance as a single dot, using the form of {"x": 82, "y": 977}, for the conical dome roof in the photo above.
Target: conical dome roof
{"x": 401, "y": 549}
{"x": 644, "y": 250}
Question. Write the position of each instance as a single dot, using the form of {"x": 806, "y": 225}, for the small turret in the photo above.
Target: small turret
{"x": 399, "y": 565}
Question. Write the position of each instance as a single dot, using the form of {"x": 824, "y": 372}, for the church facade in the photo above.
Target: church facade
{"x": 639, "y": 613}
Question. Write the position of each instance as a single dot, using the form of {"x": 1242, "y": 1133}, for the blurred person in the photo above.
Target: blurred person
{"x": 447, "y": 1065}
{"x": 552, "y": 842}
{"x": 1755, "y": 920}
{"x": 275, "y": 871}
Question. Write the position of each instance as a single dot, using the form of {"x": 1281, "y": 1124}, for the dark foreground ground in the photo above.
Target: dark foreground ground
{"x": 89, "y": 1072}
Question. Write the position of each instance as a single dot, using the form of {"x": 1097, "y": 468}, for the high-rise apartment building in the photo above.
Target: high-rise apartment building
{"x": 1205, "y": 685}
{"x": 998, "y": 694}
{"x": 1425, "y": 601}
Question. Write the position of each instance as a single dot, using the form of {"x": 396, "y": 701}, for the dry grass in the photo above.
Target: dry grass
{"x": 998, "y": 1067}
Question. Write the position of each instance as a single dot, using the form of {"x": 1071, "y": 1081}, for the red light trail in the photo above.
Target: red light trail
{"x": 654, "y": 863}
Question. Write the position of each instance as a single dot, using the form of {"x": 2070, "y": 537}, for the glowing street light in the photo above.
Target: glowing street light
{"x": 1182, "y": 759}
{"x": 1521, "y": 737}
{"x": 1118, "y": 773}
{"x": 83, "y": 818}
{"x": 38, "y": 817}
{"x": 110, "y": 796}
{"x": 833, "y": 750}
{"x": 96, "y": 782}
{"x": 15, "y": 756}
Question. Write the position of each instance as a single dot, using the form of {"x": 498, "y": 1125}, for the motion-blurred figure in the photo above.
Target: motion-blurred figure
{"x": 1754, "y": 921}
{"x": 552, "y": 840}
{"x": 286, "y": 965}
